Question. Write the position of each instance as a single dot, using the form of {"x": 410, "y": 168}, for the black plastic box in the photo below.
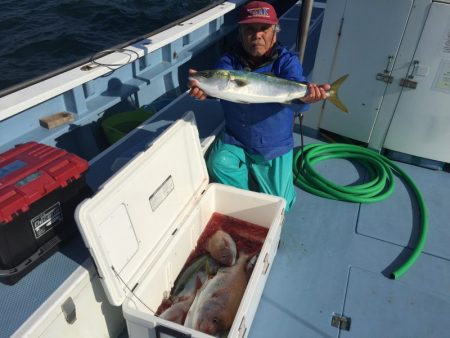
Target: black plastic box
{"x": 40, "y": 186}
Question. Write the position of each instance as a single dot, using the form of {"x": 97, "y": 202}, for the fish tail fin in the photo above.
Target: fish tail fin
{"x": 333, "y": 93}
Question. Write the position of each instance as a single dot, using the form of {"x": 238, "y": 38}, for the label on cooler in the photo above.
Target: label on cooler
{"x": 46, "y": 220}
{"x": 161, "y": 193}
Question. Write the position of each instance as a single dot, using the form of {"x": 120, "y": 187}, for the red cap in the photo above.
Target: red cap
{"x": 258, "y": 12}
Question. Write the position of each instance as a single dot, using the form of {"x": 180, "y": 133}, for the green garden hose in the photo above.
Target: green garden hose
{"x": 381, "y": 183}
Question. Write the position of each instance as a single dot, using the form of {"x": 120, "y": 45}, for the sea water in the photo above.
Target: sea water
{"x": 39, "y": 36}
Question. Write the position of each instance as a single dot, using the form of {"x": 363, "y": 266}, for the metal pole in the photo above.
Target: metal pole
{"x": 303, "y": 27}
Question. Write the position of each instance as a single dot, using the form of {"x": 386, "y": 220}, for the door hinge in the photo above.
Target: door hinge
{"x": 340, "y": 27}
{"x": 341, "y": 322}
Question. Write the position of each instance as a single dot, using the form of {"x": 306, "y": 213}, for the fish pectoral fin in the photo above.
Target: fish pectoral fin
{"x": 240, "y": 83}
{"x": 219, "y": 292}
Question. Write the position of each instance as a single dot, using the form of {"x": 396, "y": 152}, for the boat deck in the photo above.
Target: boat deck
{"x": 334, "y": 257}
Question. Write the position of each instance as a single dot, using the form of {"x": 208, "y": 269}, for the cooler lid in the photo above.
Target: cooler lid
{"x": 130, "y": 220}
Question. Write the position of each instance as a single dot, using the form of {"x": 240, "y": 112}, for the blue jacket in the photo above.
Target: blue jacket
{"x": 263, "y": 128}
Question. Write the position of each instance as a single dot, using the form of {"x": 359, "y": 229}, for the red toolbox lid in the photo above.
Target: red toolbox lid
{"x": 32, "y": 170}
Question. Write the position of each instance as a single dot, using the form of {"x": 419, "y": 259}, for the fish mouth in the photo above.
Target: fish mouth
{"x": 209, "y": 327}
{"x": 195, "y": 81}
{"x": 201, "y": 74}
{"x": 227, "y": 259}
{"x": 198, "y": 76}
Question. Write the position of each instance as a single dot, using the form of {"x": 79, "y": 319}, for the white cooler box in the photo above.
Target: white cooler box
{"x": 144, "y": 222}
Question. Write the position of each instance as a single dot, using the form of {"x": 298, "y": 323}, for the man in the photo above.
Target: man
{"x": 258, "y": 138}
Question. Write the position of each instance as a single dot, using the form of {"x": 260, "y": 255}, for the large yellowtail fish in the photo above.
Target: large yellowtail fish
{"x": 252, "y": 87}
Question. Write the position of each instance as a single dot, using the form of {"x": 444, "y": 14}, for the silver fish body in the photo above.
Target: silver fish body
{"x": 182, "y": 302}
{"x": 248, "y": 87}
{"x": 251, "y": 87}
{"x": 186, "y": 286}
{"x": 203, "y": 263}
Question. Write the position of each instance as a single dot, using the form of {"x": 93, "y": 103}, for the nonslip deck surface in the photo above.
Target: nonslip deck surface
{"x": 20, "y": 300}
{"x": 335, "y": 258}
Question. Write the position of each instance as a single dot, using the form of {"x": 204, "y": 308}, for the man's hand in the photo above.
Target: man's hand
{"x": 195, "y": 92}
{"x": 316, "y": 93}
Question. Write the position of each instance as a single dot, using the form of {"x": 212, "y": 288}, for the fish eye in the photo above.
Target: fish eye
{"x": 223, "y": 73}
{"x": 215, "y": 320}
{"x": 204, "y": 74}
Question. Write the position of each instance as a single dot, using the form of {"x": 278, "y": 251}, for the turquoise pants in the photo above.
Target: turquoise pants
{"x": 229, "y": 164}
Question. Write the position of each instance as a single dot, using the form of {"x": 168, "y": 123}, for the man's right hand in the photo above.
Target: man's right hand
{"x": 195, "y": 92}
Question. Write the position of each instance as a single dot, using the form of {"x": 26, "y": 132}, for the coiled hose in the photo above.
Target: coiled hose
{"x": 380, "y": 186}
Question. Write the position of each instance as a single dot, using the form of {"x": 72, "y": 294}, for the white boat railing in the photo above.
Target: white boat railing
{"x": 21, "y": 100}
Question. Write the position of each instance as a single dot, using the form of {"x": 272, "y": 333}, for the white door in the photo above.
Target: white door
{"x": 371, "y": 33}
{"x": 421, "y": 122}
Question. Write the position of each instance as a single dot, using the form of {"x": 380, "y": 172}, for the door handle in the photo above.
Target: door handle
{"x": 408, "y": 82}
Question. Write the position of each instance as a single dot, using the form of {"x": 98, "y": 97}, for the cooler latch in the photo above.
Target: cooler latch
{"x": 341, "y": 322}
{"x": 242, "y": 328}
{"x": 69, "y": 310}
{"x": 266, "y": 263}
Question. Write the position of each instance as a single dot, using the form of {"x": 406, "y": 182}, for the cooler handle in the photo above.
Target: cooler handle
{"x": 169, "y": 331}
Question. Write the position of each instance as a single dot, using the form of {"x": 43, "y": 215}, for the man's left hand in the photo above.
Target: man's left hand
{"x": 316, "y": 93}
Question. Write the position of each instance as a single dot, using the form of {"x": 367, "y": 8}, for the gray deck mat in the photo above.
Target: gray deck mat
{"x": 20, "y": 300}
{"x": 334, "y": 257}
